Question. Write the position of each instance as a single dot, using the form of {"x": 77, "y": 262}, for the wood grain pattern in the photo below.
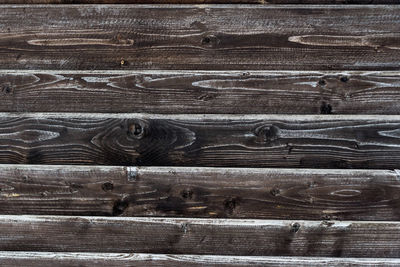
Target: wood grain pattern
{"x": 192, "y": 37}
{"x": 50, "y": 259}
{"x": 200, "y": 192}
{"x": 200, "y": 236}
{"x": 201, "y": 140}
{"x": 231, "y": 92}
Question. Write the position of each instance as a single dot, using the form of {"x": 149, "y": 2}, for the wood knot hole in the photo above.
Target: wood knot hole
{"x": 136, "y": 130}
{"x": 119, "y": 207}
{"x": 295, "y": 227}
{"x": 344, "y": 79}
{"x": 325, "y": 108}
{"x": 275, "y": 191}
{"x": 206, "y": 40}
{"x": 107, "y": 186}
{"x": 322, "y": 82}
{"x": 187, "y": 194}
{"x": 6, "y": 89}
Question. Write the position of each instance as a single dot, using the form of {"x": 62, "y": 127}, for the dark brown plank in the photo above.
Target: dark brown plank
{"x": 191, "y": 37}
{"x": 200, "y": 236}
{"x": 200, "y": 192}
{"x": 336, "y": 141}
{"x": 231, "y": 92}
{"x": 51, "y": 259}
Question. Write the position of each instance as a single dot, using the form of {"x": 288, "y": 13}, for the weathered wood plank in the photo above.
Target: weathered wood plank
{"x": 200, "y": 192}
{"x": 200, "y": 236}
{"x": 231, "y": 92}
{"x": 314, "y": 141}
{"x": 50, "y": 259}
{"x": 191, "y": 37}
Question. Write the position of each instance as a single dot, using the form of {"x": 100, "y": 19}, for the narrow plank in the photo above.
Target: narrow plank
{"x": 204, "y": 92}
{"x": 50, "y": 259}
{"x": 200, "y": 236}
{"x": 200, "y": 192}
{"x": 192, "y": 37}
{"x": 306, "y": 141}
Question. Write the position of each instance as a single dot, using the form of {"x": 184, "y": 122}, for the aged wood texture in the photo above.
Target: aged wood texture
{"x": 51, "y": 259}
{"x": 200, "y": 236}
{"x": 313, "y": 141}
{"x": 233, "y": 92}
{"x": 192, "y": 37}
{"x": 200, "y": 192}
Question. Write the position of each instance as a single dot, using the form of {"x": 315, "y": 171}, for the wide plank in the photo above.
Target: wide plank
{"x": 205, "y": 92}
{"x": 75, "y": 259}
{"x": 206, "y": 37}
{"x": 298, "y": 141}
{"x": 305, "y": 141}
{"x": 200, "y": 236}
{"x": 200, "y": 192}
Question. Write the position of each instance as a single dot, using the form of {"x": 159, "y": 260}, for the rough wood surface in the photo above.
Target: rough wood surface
{"x": 200, "y": 192}
{"x": 51, "y": 259}
{"x": 231, "y": 92}
{"x": 192, "y": 37}
{"x": 200, "y": 236}
{"x": 313, "y": 141}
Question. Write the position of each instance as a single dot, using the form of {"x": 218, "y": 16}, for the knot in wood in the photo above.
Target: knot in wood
{"x": 209, "y": 40}
{"x": 137, "y": 129}
{"x": 268, "y": 133}
{"x": 295, "y": 227}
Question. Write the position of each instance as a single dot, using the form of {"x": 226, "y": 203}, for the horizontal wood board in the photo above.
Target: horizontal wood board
{"x": 200, "y": 236}
{"x": 205, "y": 92}
{"x": 205, "y": 37}
{"x": 200, "y": 192}
{"x": 303, "y": 141}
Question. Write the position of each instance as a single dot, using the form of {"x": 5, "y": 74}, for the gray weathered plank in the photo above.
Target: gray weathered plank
{"x": 50, "y": 259}
{"x": 200, "y": 236}
{"x": 313, "y": 141}
{"x": 233, "y": 92}
{"x": 200, "y": 192}
{"x": 192, "y": 37}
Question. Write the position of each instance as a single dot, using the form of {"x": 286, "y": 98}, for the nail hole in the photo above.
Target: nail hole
{"x": 325, "y": 108}
{"x": 107, "y": 186}
{"x": 295, "y": 227}
{"x": 123, "y": 63}
{"x": 344, "y": 79}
